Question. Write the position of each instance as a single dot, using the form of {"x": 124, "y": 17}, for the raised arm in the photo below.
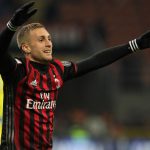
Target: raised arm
{"x": 108, "y": 56}
{"x": 21, "y": 15}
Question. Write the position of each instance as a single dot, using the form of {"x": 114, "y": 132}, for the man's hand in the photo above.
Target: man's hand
{"x": 144, "y": 40}
{"x": 140, "y": 43}
{"x": 21, "y": 15}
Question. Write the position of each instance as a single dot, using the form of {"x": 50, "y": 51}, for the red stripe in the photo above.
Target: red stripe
{"x": 52, "y": 80}
{"x": 44, "y": 111}
{"x": 58, "y": 76}
{"x": 26, "y": 128}
{"x": 27, "y": 65}
{"x": 51, "y": 122}
{"x": 36, "y": 125}
{"x": 45, "y": 86}
{"x": 60, "y": 64}
{"x": 27, "y": 111}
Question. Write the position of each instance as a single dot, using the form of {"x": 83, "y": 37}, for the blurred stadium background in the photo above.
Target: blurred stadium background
{"x": 107, "y": 109}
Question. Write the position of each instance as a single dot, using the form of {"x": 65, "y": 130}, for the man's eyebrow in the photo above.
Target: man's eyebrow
{"x": 43, "y": 36}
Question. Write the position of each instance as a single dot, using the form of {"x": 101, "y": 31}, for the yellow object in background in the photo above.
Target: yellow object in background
{"x": 1, "y": 104}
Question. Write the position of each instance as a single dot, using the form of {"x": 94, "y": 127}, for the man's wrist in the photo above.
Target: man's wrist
{"x": 133, "y": 45}
{"x": 11, "y": 26}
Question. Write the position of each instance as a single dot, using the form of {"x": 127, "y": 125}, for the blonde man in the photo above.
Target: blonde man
{"x": 31, "y": 84}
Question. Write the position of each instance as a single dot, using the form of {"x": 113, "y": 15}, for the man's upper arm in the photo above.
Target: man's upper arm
{"x": 7, "y": 64}
{"x": 70, "y": 70}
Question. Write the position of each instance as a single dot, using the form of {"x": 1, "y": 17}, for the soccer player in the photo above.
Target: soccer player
{"x": 31, "y": 83}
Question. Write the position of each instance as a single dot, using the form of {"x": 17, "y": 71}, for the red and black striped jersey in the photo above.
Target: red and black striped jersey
{"x": 30, "y": 95}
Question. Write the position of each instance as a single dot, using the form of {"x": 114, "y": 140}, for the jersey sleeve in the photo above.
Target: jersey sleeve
{"x": 12, "y": 70}
{"x": 70, "y": 70}
{"x": 102, "y": 59}
{"x": 7, "y": 64}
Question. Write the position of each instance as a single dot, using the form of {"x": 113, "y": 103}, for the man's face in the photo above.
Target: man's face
{"x": 40, "y": 45}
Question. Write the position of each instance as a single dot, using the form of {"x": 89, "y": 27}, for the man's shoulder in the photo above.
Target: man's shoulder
{"x": 65, "y": 63}
{"x": 58, "y": 64}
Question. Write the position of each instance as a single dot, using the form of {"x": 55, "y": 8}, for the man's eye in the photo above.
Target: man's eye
{"x": 40, "y": 40}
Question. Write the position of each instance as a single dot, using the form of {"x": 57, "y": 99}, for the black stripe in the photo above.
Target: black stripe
{"x": 21, "y": 125}
{"x": 32, "y": 119}
{"x": 59, "y": 69}
{"x": 8, "y": 119}
{"x": 49, "y": 82}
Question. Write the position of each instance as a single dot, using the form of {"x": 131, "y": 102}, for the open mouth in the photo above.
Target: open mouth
{"x": 47, "y": 51}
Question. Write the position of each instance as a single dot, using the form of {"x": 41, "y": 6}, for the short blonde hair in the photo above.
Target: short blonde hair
{"x": 25, "y": 30}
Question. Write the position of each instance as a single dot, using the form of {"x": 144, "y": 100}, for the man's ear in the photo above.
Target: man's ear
{"x": 26, "y": 49}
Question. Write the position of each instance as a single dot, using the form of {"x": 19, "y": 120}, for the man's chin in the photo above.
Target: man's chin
{"x": 49, "y": 58}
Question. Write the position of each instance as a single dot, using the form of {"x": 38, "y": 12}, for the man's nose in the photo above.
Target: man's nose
{"x": 48, "y": 43}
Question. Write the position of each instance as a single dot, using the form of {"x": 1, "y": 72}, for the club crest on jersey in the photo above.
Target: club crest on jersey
{"x": 33, "y": 83}
{"x": 57, "y": 82}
